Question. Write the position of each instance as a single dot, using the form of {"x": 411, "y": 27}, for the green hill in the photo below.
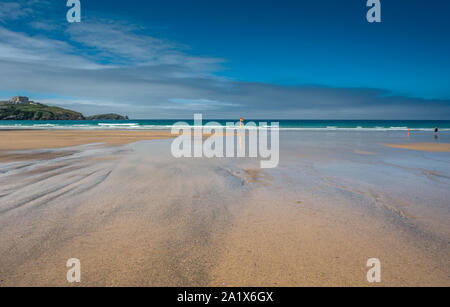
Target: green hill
{"x": 39, "y": 111}
{"x": 36, "y": 111}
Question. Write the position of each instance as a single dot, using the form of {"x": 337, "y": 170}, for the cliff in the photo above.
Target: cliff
{"x": 36, "y": 111}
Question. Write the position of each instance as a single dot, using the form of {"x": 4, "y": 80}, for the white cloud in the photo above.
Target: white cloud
{"x": 44, "y": 26}
{"x": 13, "y": 11}
{"x": 21, "y": 47}
{"x": 122, "y": 44}
{"x": 198, "y": 104}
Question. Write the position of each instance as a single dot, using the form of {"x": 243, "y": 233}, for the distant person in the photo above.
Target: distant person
{"x": 436, "y": 131}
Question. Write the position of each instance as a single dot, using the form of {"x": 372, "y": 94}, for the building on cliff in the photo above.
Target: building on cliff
{"x": 20, "y": 100}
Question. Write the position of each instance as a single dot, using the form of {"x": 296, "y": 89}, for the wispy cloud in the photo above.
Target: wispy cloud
{"x": 122, "y": 44}
{"x": 13, "y": 11}
{"x": 23, "y": 48}
{"x": 198, "y": 104}
{"x": 43, "y": 26}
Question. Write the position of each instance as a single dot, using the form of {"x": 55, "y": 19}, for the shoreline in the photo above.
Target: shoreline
{"x": 21, "y": 145}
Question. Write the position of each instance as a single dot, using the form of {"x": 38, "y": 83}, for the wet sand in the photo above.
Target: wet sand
{"x": 431, "y": 147}
{"x": 135, "y": 216}
{"x": 362, "y": 152}
{"x": 7, "y": 156}
{"x": 20, "y": 145}
{"x": 43, "y": 139}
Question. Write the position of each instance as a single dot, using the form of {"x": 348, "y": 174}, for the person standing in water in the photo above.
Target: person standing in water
{"x": 436, "y": 131}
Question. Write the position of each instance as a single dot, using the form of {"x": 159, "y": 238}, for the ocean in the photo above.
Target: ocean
{"x": 312, "y": 125}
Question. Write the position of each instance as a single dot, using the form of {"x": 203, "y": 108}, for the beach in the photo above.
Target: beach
{"x": 136, "y": 216}
{"x": 42, "y": 139}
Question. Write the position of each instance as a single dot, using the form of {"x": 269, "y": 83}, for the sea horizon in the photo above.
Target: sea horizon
{"x": 290, "y": 124}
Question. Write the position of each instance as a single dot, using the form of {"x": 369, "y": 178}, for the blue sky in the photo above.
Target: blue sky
{"x": 227, "y": 59}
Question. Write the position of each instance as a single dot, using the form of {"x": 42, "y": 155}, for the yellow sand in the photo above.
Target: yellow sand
{"x": 43, "y": 139}
{"x": 362, "y": 152}
{"x": 431, "y": 147}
